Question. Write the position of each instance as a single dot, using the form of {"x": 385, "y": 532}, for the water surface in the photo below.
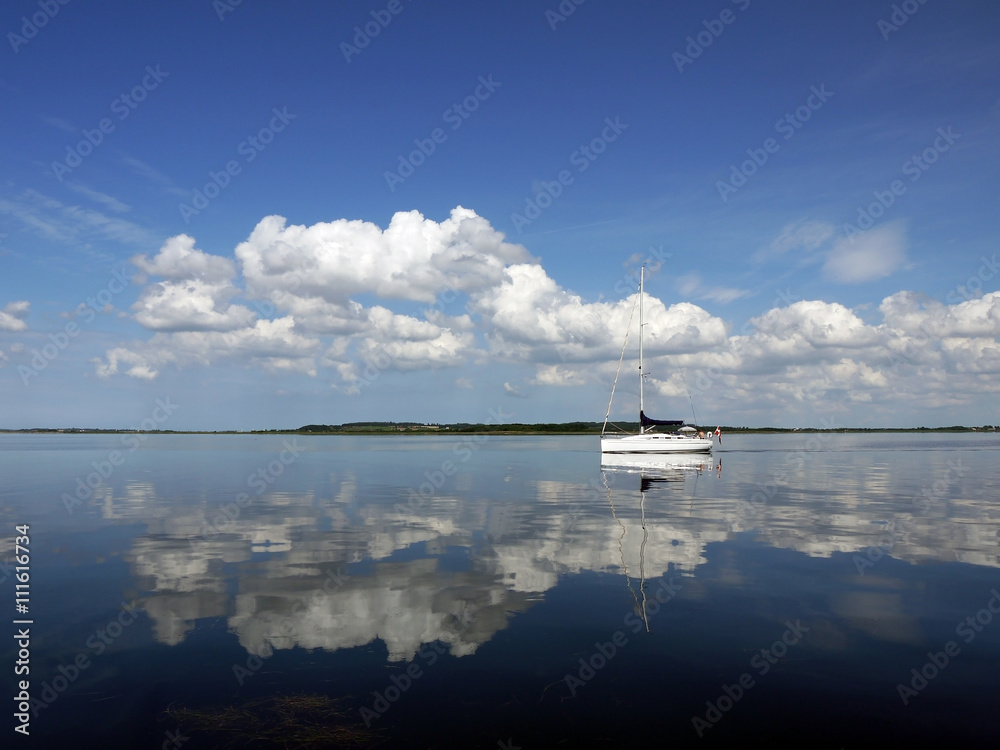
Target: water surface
{"x": 825, "y": 590}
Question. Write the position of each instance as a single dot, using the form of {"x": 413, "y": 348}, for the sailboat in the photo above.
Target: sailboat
{"x": 682, "y": 440}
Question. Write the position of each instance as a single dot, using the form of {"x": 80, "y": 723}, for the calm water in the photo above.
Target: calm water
{"x": 446, "y": 591}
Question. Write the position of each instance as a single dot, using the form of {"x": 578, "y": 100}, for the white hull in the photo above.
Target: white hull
{"x": 656, "y": 442}
{"x": 657, "y": 464}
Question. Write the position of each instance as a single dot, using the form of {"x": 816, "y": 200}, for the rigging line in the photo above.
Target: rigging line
{"x": 691, "y": 399}
{"x": 642, "y": 555}
{"x": 639, "y": 608}
{"x": 620, "y": 360}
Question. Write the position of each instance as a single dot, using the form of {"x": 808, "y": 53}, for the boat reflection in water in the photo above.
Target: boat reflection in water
{"x": 661, "y": 466}
{"x": 652, "y": 470}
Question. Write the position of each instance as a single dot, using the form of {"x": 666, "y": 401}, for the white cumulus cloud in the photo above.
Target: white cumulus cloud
{"x": 414, "y": 258}
{"x": 13, "y": 314}
{"x": 178, "y": 258}
{"x": 349, "y": 301}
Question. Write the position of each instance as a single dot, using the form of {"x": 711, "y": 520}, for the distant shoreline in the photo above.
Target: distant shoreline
{"x": 410, "y": 428}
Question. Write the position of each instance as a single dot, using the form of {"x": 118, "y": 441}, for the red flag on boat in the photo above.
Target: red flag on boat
{"x": 718, "y": 434}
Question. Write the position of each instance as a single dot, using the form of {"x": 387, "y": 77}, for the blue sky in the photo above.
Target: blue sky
{"x": 442, "y": 221}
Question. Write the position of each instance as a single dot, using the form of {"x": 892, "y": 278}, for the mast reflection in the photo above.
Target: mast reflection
{"x": 653, "y": 470}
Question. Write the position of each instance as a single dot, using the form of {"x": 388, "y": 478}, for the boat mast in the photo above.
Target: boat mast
{"x": 642, "y": 429}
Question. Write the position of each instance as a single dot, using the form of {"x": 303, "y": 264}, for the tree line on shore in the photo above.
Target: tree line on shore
{"x": 565, "y": 428}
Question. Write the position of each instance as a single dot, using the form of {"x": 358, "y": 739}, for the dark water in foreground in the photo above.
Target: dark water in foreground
{"x": 237, "y": 591}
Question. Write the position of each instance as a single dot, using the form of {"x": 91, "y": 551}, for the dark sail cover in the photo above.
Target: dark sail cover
{"x": 647, "y": 422}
